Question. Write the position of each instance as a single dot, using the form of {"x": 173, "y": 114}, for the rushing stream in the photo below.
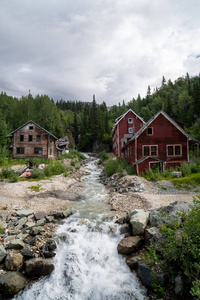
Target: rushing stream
{"x": 87, "y": 264}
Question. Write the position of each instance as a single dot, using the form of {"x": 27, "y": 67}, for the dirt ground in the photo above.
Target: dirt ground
{"x": 59, "y": 193}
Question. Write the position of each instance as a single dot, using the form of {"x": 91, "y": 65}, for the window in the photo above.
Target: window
{"x": 30, "y": 138}
{"x": 21, "y": 138}
{"x": 150, "y": 131}
{"x": 150, "y": 150}
{"x": 38, "y": 139}
{"x": 20, "y": 150}
{"x": 30, "y": 127}
{"x": 38, "y": 151}
{"x": 130, "y": 120}
{"x": 130, "y": 130}
{"x": 174, "y": 150}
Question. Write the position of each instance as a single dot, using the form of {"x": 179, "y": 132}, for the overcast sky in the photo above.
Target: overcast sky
{"x": 72, "y": 49}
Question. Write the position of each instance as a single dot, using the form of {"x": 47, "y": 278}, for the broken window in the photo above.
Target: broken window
{"x": 30, "y": 138}
{"x": 38, "y": 151}
{"x": 130, "y": 120}
{"x": 150, "y": 150}
{"x": 30, "y": 127}
{"x": 20, "y": 150}
{"x": 38, "y": 139}
{"x": 21, "y": 138}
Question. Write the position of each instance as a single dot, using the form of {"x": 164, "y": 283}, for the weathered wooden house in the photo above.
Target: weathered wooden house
{"x": 161, "y": 142}
{"x": 124, "y": 128}
{"x": 31, "y": 140}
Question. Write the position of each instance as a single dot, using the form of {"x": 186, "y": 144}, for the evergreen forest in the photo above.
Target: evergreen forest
{"x": 90, "y": 124}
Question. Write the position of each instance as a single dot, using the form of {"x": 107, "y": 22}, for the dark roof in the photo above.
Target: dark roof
{"x": 11, "y": 134}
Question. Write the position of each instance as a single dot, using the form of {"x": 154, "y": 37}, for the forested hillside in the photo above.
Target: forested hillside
{"x": 91, "y": 123}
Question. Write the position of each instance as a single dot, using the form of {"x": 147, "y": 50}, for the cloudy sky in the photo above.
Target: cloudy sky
{"x": 72, "y": 49}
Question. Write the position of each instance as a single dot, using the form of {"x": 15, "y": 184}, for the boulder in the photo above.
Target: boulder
{"x": 179, "y": 285}
{"x": 49, "y": 218}
{"x": 132, "y": 261}
{"x": 152, "y": 236}
{"x": 24, "y": 212}
{"x": 15, "y": 244}
{"x": 27, "y": 252}
{"x": 130, "y": 244}
{"x": 36, "y": 230}
{"x": 58, "y": 215}
{"x": 36, "y": 267}
{"x": 67, "y": 212}
{"x": 41, "y": 222}
{"x": 11, "y": 283}
{"x": 14, "y": 261}
{"x": 148, "y": 276}
{"x": 2, "y": 253}
{"x": 138, "y": 219}
{"x": 39, "y": 215}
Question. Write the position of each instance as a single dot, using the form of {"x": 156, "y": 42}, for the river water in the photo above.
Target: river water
{"x": 87, "y": 264}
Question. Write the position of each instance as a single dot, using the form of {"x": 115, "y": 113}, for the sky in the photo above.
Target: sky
{"x": 111, "y": 48}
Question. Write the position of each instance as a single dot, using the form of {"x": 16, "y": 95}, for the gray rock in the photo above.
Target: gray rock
{"x": 138, "y": 219}
{"x": 132, "y": 261}
{"x": 2, "y": 253}
{"x": 51, "y": 244}
{"x": 41, "y": 222}
{"x": 37, "y": 267}
{"x": 15, "y": 244}
{"x": 58, "y": 215}
{"x": 179, "y": 285}
{"x": 49, "y": 218}
{"x": 9, "y": 238}
{"x": 27, "y": 252}
{"x": 14, "y": 261}
{"x": 22, "y": 236}
{"x": 24, "y": 212}
{"x": 130, "y": 244}
{"x": 11, "y": 283}
{"x": 30, "y": 224}
{"x": 39, "y": 215}
{"x": 152, "y": 236}
{"x": 4, "y": 217}
{"x": 21, "y": 221}
{"x": 67, "y": 212}
{"x": 36, "y": 230}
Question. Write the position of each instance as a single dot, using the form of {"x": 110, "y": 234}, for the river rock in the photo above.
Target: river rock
{"x": 67, "y": 212}
{"x": 39, "y": 215}
{"x": 130, "y": 244}
{"x": 50, "y": 218}
{"x": 132, "y": 261}
{"x": 24, "y": 212}
{"x": 11, "y": 283}
{"x": 27, "y": 252}
{"x": 37, "y": 267}
{"x": 152, "y": 236}
{"x": 58, "y": 215}
{"x": 2, "y": 253}
{"x": 179, "y": 285}
{"x": 30, "y": 224}
{"x": 36, "y": 230}
{"x": 148, "y": 276}
{"x": 41, "y": 222}
{"x": 15, "y": 244}
{"x": 138, "y": 219}
{"x": 14, "y": 261}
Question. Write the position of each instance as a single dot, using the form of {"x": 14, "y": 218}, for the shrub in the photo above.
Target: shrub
{"x": 111, "y": 167}
{"x": 72, "y": 154}
{"x": 37, "y": 173}
{"x": 119, "y": 166}
{"x": 181, "y": 246}
{"x": 103, "y": 155}
{"x": 8, "y": 173}
{"x": 56, "y": 168}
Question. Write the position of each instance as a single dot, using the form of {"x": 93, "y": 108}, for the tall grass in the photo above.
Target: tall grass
{"x": 72, "y": 154}
{"x": 119, "y": 166}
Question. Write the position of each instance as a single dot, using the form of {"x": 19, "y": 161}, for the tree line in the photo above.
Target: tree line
{"x": 91, "y": 124}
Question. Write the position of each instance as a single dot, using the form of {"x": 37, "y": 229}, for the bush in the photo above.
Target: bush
{"x": 181, "y": 246}
{"x": 103, "y": 155}
{"x": 56, "y": 168}
{"x": 119, "y": 166}
{"x": 37, "y": 174}
{"x": 72, "y": 154}
{"x": 8, "y": 173}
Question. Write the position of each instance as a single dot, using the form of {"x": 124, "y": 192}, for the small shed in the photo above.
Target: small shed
{"x": 32, "y": 140}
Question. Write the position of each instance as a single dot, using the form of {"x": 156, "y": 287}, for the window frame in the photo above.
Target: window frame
{"x": 149, "y": 150}
{"x": 174, "y": 150}
{"x": 151, "y": 130}
{"x": 37, "y": 150}
{"x": 38, "y": 138}
{"x": 30, "y": 138}
{"x": 21, "y": 138}
{"x": 130, "y": 120}
{"x": 20, "y": 151}
{"x": 130, "y": 128}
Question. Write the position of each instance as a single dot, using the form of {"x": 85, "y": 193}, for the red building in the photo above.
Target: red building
{"x": 161, "y": 142}
{"x": 125, "y": 127}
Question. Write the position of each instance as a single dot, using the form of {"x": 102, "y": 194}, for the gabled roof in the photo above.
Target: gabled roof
{"x": 122, "y": 116}
{"x": 146, "y": 157}
{"x": 139, "y": 132}
{"x": 11, "y": 134}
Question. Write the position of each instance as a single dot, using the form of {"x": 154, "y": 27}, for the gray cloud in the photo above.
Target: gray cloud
{"x": 74, "y": 49}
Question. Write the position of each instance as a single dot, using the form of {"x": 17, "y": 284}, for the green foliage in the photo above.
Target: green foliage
{"x": 56, "y": 168}
{"x": 72, "y": 154}
{"x": 8, "y": 173}
{"x": 35, "y": 188}
{"x": 37, "y": 174}
{"x": 181, "y": 246}
{"x": 119, "y": 166}
{"x": 103, "y": 155}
